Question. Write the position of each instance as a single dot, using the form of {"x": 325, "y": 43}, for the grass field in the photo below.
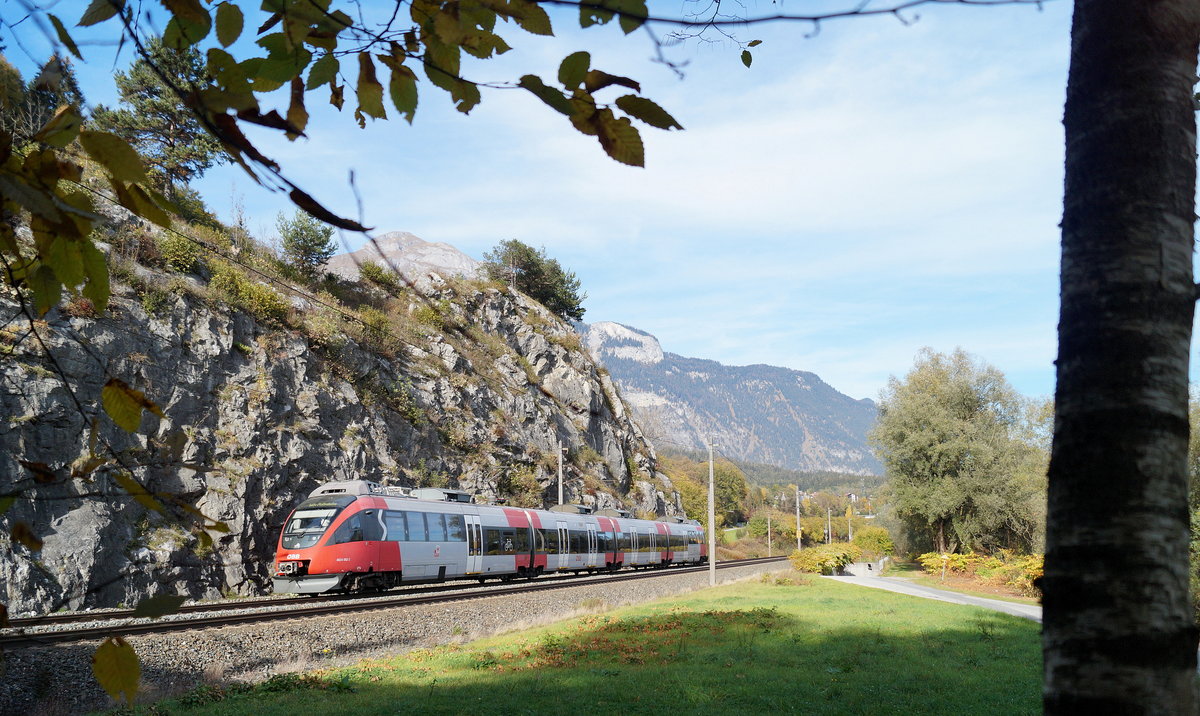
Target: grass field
{"x": 791, "y": 645}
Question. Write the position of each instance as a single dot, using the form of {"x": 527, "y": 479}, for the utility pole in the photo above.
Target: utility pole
{"x": 828, "y": 525}
{"x": 712, "y": 519}
{"x": 560, "y": 452}
{"x": 799, "y": 530}
{"x": 769, "y": 534}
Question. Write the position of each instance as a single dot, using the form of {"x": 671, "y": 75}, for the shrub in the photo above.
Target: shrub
{"x": 874, "y": 541}
{"x": 378, "y": 275}
{"x": 324, "y": 328}
{"x": 179, "y": 253}
{"x": 257, "y": 299}
{"x": 377, "y": 330}
{"x": 79, "y": 307}
{"x": 825, "y": 558}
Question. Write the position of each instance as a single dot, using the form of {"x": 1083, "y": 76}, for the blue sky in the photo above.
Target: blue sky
{"x": 851, "y": 198}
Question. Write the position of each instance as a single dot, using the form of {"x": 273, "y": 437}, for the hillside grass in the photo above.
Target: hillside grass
{"x": 789, "y": 644}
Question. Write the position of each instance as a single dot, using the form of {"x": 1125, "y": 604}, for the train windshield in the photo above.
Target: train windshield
{"x": 306, "y": 527}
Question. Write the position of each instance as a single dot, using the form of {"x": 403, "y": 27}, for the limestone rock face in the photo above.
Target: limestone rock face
{"x": 409, "y": 254}
{"x": 257, "y": 416}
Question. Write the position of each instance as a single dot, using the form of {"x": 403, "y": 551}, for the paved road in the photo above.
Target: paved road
{"x": 1027, "y": 611}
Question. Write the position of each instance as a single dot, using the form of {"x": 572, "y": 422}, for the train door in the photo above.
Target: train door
{"x": 592, "y": 558}
{"x": 634, "y": 557}
{"x": 564, "y": 544}
{"x": 474, "y": 545}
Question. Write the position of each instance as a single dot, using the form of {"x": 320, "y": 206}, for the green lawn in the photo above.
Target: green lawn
{"x": 815, "y": 647}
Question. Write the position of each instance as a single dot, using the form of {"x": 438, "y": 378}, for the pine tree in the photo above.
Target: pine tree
{"x": 156, "y": 122}
{"x": 541, "y": 278}
{"x": 307, "y": 243}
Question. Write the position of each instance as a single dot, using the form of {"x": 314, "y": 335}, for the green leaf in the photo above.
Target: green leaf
{"x": 125, "y": 405}
{"x": 549, "y": 95}
{"x": 47, "y": 290}
{"x": 161, "y": 605}
{"x": 747, "y": 58}
{"x": 229, "y": 23}
{"x": 590, "y": 13}
{"x": 324, "y": 70}
{"x": 64, "y": 256}
{"x": 63, "y": 127}
{"x": 647, "y": 111}
{"x": 633, "y": 14}
{"x": 99, "y": 11}
{"x": 531, "y": 18}
{"x": 63, "y": 36}
{"x": 370, "y": 92}
{"x": 116, "y": 668}
{"x": 297, "y": 115}
{"x": 403, "y": 89}
{"x": 6, "y": 501}
{"x": 754, "y": 43}
{"x": 621, "y": 140}
{"x": 95, "y": 266}
{"x": 114, "y": 154}
{"x": 573, "y": 69}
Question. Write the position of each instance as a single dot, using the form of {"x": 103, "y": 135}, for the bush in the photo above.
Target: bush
{"x": 825, "y": 558}
{"x": 378, "y": 275}
{"x": 255, "y": 298}
{"x": 179, "y": 253}
{"x": 1019, "y": 572}
{"x": 874, "y": 542}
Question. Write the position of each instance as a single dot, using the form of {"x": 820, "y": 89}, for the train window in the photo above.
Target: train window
{"x": 578, "y": 542}
{"x": 397, "y": 531}
{"x": 306, "y": 527}
{"x": 493, "y": 541}
{"x": 372, "y": 530}
{"x": 521, "y": 541}
{"x": 437, "y": 527}
{"x": 623, "y": 541}
{"x": 550, "y": 540}
{"x": 416, "y": 526}
{"x": 349, "y": 531}
{"x": 539, "y": 541}
{"x": 456, "y": 529}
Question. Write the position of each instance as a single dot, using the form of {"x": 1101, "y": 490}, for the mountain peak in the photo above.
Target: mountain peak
{"x": 412, "y": 255}
{"x": 606, "y": 339}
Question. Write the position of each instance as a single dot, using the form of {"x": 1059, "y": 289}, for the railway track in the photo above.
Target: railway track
{"x": 40, "y": 631}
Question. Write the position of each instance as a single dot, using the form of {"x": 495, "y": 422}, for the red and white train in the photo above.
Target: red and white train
{"x": 358, "y": 536}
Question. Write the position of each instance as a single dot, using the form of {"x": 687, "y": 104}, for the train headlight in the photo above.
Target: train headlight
{"x": 290, "y": 568}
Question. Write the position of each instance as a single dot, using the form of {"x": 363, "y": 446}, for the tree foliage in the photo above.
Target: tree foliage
{"x": 690, "y": 477}
{"x": 536, "y": 275}
{"x": 164, "y": 131}
{"x": 307, "y": 244}
{"x": 949, "y": 436}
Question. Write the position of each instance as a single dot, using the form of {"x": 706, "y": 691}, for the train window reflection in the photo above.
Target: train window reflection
{"x": 306, "y": 527}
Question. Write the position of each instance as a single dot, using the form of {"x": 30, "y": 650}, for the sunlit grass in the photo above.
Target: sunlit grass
{"x": 815, "y": 646}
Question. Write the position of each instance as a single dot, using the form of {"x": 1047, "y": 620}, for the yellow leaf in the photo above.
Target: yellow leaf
{"x": 138, "y": 492}
{"x": 124, "y": 404}
{"x": 116, "y": 667}
{"x": 621, "y": 140}
{"x": 370, "y": 92}
{"x": 114, "y": 154}
{"x": 62, "y": 128}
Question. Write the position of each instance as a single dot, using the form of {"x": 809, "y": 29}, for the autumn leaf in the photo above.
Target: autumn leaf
{"x": 125, "y": 405}
{"x": 161, "y": 605}
{"x": 116, "y": 667}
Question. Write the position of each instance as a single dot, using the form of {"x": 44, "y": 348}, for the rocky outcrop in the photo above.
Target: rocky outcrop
{"x": 257, "y": 415}
{"x": 758, "y": 413}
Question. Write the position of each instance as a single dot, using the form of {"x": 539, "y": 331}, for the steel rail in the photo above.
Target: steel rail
{"x": 19, "y": 638}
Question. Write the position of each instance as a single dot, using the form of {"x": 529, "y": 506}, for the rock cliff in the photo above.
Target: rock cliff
{"x": 257, "y": 414}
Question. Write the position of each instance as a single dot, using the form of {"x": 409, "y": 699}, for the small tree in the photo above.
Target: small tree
{"x": 533, "y": 273}
{"x": 307, "y": 243}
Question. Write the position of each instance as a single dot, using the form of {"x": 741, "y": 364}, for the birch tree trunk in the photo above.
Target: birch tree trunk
{"x": 1118, "y": 633}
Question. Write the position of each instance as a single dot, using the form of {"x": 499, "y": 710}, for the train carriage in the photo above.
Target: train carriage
{"x": 357, "y": 536}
